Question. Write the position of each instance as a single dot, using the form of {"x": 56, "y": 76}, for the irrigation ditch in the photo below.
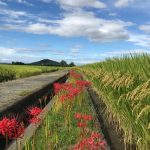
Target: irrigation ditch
{"x": 114, "y": 140}
{"x": 20, "y": 108}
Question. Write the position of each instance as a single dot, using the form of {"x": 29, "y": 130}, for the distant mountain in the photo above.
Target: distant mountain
{"x": 46, "y": 62}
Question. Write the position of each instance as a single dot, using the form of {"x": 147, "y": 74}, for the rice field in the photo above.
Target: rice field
{"x": 123, "y": 84}
{"x": 10, "y": 72}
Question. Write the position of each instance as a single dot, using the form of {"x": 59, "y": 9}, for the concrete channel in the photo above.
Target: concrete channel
{"x": 17, "y": 95}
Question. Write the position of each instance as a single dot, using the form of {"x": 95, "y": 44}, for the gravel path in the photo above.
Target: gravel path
{"x": 13, "y": 91}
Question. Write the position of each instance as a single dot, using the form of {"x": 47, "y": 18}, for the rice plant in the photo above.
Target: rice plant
{"x": 124, "y": 85}
{"x": 10, "y": 72}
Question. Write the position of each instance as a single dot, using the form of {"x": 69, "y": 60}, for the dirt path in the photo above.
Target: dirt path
{"x": 13, "y": 91}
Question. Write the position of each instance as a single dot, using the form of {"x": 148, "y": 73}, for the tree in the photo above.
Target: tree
{"x": 71, "y": 64}
{"x": 63, "y": 63}
{"x": 18, "y": 63}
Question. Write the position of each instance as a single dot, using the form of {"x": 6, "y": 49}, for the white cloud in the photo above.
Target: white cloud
{"x": 3, "y": 3}
{"x": 112, "y": 14}
{"x": 12, "y": 13}
{"x": 21, "y": 2}
{"x": 6, "y": 51}
{"x": 83, "y": 24}
{"x": 145, "y": 28}
{"x": 122, "y": 3}
{"x": 83, "y": 3}
{"x": 78, "y": 3}
{"x": 140, "y": 40}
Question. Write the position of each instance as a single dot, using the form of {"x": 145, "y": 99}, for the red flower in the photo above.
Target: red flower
{"x": 87, "y": 117}
{"x": 83, "y": 116}
{"x": 65, "y": 97}
{"x": 95, "y": 135}
{"x": 57, "y": 87}
{"x": 78, "y": 116}
{"x": 34, "y": 111}
{"x": 94, "y": 142}
{"x": 4, "y": 126}
{"x": 74, "y": 91}
{"x": 11, "y": 127}
{"x": 75, "y": 75}
{"x": 82, "y": 83}
{"x": 81, "y": 124}
{"x": 34, "y": 120}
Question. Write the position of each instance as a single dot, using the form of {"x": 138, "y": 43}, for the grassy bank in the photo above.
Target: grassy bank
{"x": 71, "y": 124}
{"x": 124, "y": 86}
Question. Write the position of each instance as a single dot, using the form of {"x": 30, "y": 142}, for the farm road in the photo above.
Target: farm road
{"x": 13, "y": 91}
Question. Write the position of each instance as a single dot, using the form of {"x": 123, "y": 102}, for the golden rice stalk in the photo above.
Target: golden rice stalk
{"x": 123, "y": 81}
{"x": 145, "y": 110}
{"x": 140, "y": 92}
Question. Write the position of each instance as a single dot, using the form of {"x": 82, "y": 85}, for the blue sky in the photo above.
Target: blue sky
{"x": 82, "y": 31}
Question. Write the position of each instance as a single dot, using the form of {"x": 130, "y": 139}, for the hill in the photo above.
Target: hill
{"x": 46, "y": 62}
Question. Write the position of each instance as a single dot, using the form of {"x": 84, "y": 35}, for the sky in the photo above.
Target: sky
{"x": 80, "y": 31}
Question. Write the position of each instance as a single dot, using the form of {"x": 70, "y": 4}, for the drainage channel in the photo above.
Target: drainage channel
{"x": 114, "y": 140}
{"x": 20, "y": 107}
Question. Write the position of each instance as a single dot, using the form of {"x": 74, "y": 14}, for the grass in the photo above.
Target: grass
{"x": 124, "y": 86}
{"x": 10, "y": 72}
{"x": 57, "y": 134}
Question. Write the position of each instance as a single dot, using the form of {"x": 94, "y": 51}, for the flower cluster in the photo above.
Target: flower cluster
{"x": 82, "y": 83}
{"x": 85, "y": 117}
{"x": 11, "y": 128}
{"x": 82, "y": 119}
{"x": 75, "y": 75}
{"x": 70, "y": 91}
{"x": 94, "y": 142}
{"x": 34, "y": 112}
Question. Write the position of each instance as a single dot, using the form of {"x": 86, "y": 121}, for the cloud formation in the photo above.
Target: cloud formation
{"x": 82, "y": 3}
{"x": 145, "y": 28}
{"x": 6, "y": 51}
{"x": 78, "y": 3}
{"x": 140, "y": 40}
{"x": 83, "y": 24}
{"x": 122, "y": 3}
{"x": 3, "y": 3}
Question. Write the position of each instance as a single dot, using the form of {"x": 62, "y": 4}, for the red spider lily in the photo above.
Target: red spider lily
{"x": 94, "y": 142}
{"x": 34, "y": 120}
{"x": 82, "y": 83}
{"x": 67, "y": 86}
{"x": 78, "y": 116}
{"x": 11, "y": 128}
{"x": 18, "y": 129}
{"x": 87, "y": 117}
{"x": 83, "y": 116}
{"x": 74, "y": 91}
{"x": 96, "y": 135}
{"x": 34, "y": 111}
{"x": 66, "y": 97}
{"x": 5, "y": 126}
{"x": 81, "y": 124}
{"x": 57, "y": 87}
{"x": 75, "y": 75}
